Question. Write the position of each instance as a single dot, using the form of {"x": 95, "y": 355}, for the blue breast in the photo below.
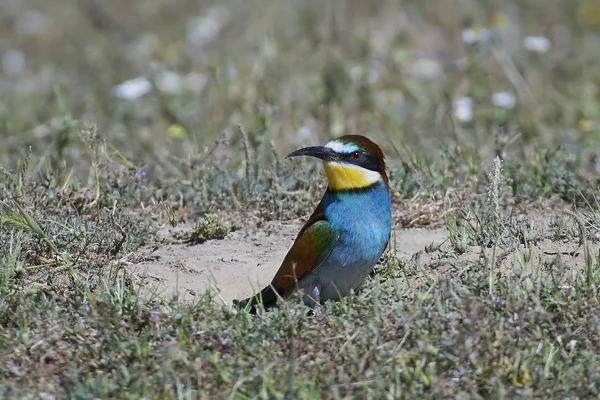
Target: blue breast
{"x": 364, "y": 221}
{"x": 363, "y": 217}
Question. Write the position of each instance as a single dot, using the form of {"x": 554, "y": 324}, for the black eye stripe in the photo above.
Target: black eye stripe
{"x": 365, "y": 160}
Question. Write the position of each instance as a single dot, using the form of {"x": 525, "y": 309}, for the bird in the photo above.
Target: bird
{"x": 339, "y": 245}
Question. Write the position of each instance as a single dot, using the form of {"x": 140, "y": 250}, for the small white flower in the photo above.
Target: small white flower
{"x": 572, "y": 344}
{"x": 463, "y": 109}
{"x": 504, "y": 100}
{"x": 469, "y": 36}
{"x": 132, "y": 89}
{"x": 539, "y": 44}
{"x": 168, "y": 82}
{"x": 203, "y": 30}
{"x": 304, "y": 132}
{"x": 559, "y": 339}
{"x": 473, "y": 35}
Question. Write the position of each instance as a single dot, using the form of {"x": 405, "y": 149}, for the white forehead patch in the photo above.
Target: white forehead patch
{"x": 339, "y": 147}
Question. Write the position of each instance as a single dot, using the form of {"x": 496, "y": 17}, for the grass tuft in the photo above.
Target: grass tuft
{"x": 210, "y": 228}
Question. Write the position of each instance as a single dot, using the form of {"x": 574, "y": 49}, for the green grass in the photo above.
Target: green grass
{"x": 506, "y": 308}
{"x": 209, "y": 228}
{"x": 448, "y": 338}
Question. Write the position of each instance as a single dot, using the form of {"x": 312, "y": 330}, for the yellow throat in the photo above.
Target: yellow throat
{"x": 341, "y": 176}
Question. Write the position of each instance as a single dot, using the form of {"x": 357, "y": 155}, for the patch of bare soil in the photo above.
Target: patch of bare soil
{"x": 243, "y": 262}
{"x": 246, "y": 260}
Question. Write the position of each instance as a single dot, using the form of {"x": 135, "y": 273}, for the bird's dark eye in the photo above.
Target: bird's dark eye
{"x": 356, "y": 155}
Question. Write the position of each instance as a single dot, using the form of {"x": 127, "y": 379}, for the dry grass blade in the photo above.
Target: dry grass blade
{"x": 246, "y": 151}
{"x": 14, "y": 216}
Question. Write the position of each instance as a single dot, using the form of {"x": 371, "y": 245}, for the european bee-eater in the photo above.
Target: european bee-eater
{"x": 342, "y": 241}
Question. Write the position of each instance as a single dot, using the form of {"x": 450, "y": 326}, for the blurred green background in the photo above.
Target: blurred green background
{"x": 161, "y": 79}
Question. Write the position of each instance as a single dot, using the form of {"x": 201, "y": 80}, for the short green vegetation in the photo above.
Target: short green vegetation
{"x": 209, "y": 228}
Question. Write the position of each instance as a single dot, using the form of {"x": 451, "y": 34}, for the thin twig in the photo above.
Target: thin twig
{"x": 246, "y": 151}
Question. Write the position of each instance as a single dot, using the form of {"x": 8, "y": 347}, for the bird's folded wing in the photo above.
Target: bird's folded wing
{"x": 312, "y": 246}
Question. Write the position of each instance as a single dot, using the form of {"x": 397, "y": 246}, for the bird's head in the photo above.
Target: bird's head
{"x": 351, "y": 162}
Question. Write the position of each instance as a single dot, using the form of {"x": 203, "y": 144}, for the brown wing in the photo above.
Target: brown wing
{"x": 313, "y": 244}
{"x": 311, "y": 247}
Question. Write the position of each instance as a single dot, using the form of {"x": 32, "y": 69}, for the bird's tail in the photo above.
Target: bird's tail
{"x": 267, "y": 297}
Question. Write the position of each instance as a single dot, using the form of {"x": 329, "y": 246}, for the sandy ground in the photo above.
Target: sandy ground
{"x": 242, "y": 263}
{"x": 246, "y": 260}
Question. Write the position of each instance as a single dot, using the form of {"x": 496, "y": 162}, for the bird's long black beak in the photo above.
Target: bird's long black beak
{"x": 322, "y": 152}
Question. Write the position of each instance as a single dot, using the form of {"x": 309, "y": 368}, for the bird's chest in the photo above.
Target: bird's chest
{"x": 364, "y": 223}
